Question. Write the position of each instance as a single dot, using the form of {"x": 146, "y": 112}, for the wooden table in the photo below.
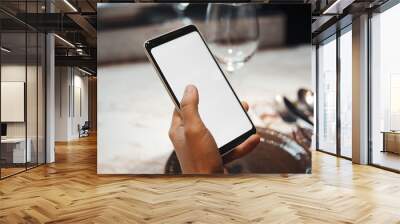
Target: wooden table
{"x": 391, "y": 141}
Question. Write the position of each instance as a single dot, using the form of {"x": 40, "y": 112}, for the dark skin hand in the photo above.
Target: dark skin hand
{"x": 195, "y": 147}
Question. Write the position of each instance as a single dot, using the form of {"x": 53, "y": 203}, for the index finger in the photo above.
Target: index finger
{"x": 243, "y": 149}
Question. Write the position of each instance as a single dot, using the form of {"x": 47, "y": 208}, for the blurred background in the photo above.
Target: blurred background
{"x": 265, "y": 51}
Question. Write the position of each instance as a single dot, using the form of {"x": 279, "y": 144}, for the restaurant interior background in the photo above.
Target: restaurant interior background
{"x": 272, "y": 73}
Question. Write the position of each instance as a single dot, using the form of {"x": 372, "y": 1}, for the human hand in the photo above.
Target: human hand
{"x": 195, "y": 147}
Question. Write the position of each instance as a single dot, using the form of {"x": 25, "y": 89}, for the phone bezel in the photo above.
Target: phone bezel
{"x": 149, "y": 44}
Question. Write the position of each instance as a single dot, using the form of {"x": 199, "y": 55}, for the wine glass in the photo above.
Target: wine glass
{"x": 232, "y": 32}
{"x": 180, "y": 10}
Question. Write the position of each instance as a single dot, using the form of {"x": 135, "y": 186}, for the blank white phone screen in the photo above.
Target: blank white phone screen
{"x": 186, "y": 60}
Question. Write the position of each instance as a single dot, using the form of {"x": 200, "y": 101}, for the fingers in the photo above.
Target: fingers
{"x": 176, "y": 119}
{"x": 243, "y": 149}
{"x": 189, "y": 106}
{"x": 245, "y": 105}
{"x": 176, "y": 122}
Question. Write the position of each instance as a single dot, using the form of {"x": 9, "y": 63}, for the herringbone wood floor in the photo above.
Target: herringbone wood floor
{"x": 69, "y": 191}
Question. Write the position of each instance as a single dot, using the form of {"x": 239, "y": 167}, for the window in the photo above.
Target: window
{"x": 327, "y": 96}
{"x": 346, "y": 92}
{"x": 22, "y": 101}
{"x": 385, "y": 89}
{"x": 334, "y": 106}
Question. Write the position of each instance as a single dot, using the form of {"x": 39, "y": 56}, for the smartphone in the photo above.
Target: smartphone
{"x": 182, "y": 57}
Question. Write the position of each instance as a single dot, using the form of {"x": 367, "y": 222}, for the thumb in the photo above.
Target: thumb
{"x": 189, "y": 106}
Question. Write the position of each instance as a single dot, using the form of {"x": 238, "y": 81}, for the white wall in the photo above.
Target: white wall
{"x": 12, "y": 73}
{"x": 79, "y": 117}
{"x": 62, "y": 80}
{"x": 33, "y": 126}
{"x": 69, "y": 82}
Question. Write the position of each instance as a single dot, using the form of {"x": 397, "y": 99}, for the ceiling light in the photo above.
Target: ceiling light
{"x": 84, "y": 71}
{"x": 65, "y": 41}
{"x": 5, "y": 50}
{"x": 70, "y": 5}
